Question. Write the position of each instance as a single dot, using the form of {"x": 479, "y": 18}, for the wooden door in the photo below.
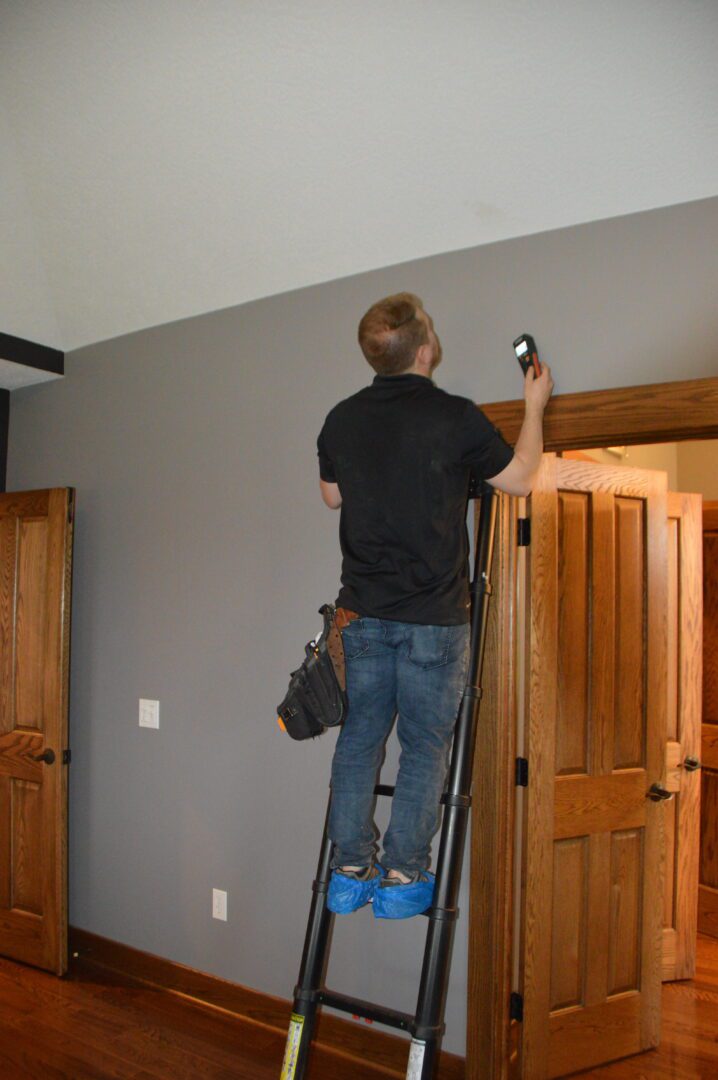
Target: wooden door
{"x": 36, "y": 529}
{"x": 685, "y": 659}
{"x": 708, "y": 887}
{"x": 595, "y": 735}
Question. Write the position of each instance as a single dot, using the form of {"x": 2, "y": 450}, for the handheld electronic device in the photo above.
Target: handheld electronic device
{"x": 527, "y": 354}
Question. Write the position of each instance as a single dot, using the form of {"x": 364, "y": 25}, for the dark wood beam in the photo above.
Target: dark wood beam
{"x": 29, "y": 353}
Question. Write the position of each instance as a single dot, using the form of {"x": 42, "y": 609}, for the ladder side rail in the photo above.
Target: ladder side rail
{"x": 433, "y": 987}
{"x": 313, "y": 965}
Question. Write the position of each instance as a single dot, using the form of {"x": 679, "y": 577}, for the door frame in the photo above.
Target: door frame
{"x": 623, "y": 416}
{"x": 707, "y": 907}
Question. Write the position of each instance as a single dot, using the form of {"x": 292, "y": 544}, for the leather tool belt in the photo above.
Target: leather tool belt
{"x": 317, "y": 697}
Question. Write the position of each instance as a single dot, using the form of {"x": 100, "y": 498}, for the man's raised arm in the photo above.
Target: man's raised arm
{"x": 519, "y": 475}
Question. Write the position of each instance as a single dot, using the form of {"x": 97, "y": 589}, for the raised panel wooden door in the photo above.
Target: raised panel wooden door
{"x": 595, "y": 735}
{"x": 708, "y": 887}
{"x": 685, "y": 658}
{"x": 35, "y": 587}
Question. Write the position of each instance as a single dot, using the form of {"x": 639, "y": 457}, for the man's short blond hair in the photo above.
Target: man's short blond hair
{"x": 391, "y": 332}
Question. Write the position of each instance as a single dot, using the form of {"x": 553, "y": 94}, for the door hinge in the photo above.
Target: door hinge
{"x": 523, "y": 532}
{"x": 522, "y": 772}
{"x": 70, "y": 507}
{"x": 516, "y": 1007}
{"x": 66, "y": 755}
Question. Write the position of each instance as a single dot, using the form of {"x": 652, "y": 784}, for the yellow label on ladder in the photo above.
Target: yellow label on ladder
{"x": 294, "y": 1038}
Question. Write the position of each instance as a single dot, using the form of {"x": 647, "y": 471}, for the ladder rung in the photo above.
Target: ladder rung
{"x": 356, "y": 1007}
{"x": 388, "y": 789}
{"x": 384, "y": 789}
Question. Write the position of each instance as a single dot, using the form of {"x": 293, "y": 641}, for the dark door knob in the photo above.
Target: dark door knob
{"x": 659, "y": 794}
{"x": 48, "y": 756}
{"x": 691, "y": 764}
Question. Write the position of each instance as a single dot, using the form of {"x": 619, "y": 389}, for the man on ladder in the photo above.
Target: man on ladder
{"x": 397, "y": 458}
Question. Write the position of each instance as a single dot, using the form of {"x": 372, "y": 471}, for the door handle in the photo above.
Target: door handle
{"x": 658, "y": 793}
{"x": 691, "y": 764}
{"x": 48, "y": 756}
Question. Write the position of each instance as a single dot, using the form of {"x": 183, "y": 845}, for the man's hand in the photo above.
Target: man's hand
{"x": 537, "y": 388}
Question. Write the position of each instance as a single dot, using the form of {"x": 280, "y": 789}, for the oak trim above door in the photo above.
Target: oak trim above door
{"x": 629, "y": 415}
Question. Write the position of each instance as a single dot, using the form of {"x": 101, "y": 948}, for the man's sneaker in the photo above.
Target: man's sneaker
{"x": 351, "y": 889}
{"x": 395, "y": 900}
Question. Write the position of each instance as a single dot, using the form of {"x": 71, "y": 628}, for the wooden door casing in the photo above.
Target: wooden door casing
{"x": 708, "y": 878}
{"x": 36, "y": 530}
{"x": 489, "y": 1031}
{"x": 683, "y": 735}
{"x": 595, "y": 739}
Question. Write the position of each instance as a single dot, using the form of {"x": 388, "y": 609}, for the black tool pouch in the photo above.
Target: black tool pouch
{"x": 316, "y": 698}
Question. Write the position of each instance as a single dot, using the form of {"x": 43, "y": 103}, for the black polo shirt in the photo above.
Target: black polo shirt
{"x": 402, "y": 452}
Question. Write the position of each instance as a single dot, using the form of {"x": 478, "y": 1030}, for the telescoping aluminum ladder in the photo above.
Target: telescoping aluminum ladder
{"x": 426, "y": 1026}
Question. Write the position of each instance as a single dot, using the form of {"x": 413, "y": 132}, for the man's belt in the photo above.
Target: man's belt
{"x": 344, "y": 616}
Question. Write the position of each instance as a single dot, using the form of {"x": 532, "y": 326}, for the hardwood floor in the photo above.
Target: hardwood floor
{"x": 95, "y": 1025}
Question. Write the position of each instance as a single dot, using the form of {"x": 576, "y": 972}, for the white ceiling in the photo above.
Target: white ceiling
{"x": 163, "y": 158}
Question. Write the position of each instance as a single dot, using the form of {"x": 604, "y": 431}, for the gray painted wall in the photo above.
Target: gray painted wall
{"x": 698, "y": 468}
{"x": 203, "y": 552}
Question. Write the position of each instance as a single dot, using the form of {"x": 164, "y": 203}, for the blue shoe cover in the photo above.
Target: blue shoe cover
{"x": 403, "y": 901}
{"x": 349, "y": 891}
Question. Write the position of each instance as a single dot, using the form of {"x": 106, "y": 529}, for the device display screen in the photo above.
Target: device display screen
{"x": 522, "y": 348}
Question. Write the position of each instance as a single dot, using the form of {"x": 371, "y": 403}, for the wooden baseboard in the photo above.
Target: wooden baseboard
{"x": 354, "y": 1040}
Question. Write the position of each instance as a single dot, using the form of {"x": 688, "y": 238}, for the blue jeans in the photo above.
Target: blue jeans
{"x": 418, "y": 672}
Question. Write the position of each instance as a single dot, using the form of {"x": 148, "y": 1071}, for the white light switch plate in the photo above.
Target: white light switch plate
{"x": 219, "y": 904}
{"x": 149, "y": 713}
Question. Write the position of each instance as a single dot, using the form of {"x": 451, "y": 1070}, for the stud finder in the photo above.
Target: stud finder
{"x": 527, "y": 354}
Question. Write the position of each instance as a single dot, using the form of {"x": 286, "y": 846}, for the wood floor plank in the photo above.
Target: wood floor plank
{"x": 33, "y": 1048}
{"x": 100, "y": 1025}
{"x": 145, "y": 1027}
{"x": 153, "y": 1035}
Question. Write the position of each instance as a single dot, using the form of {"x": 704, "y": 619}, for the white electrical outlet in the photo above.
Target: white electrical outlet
{"x": 219, "y": 904}
{"x": 149, "y": 713}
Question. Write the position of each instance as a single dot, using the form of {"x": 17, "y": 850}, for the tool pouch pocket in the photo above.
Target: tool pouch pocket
{"x": 316, "y": 698}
